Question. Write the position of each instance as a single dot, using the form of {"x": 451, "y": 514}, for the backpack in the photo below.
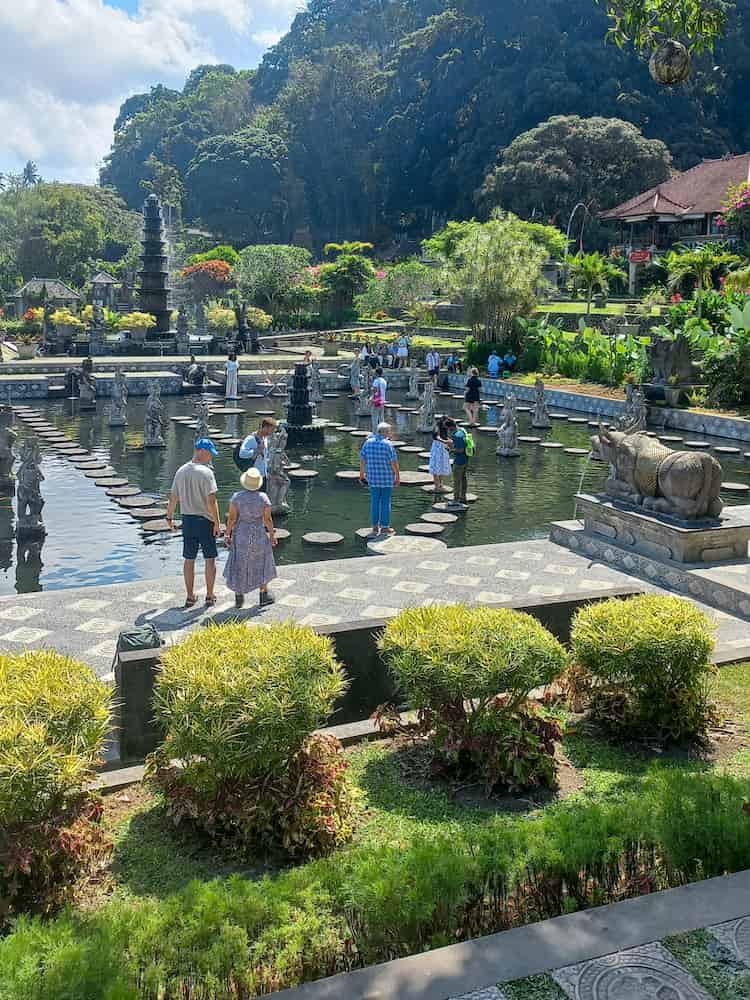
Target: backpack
{"x": 469, "y": 438}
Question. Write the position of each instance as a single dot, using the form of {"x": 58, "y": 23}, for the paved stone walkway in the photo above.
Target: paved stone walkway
{"x": 85, "y": 622}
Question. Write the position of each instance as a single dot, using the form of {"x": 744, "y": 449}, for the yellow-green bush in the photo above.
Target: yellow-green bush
{"x": 468, "y": 672}
{"x": 54, "y": 717}
{"x": 650, "y": 662}
{"x": 239, "y": 707}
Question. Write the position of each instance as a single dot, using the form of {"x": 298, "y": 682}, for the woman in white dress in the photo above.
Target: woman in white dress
{"x": 233, "y": 367}
{"x": 440, "y": 460}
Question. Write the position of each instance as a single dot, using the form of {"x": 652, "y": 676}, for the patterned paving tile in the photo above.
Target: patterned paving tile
{"x": 539, "y": 591}
{"x": 596, "y": 585}
{"x": 491, "y": 993}
{"x": 463, "y": 581}
{"x": 154, "y": 597}
{"x": 315, "y": 620}
{"x": 329, "y": 577}
{"x": 355, "y": 594}
{"x": 89, "y": 605}
{"x": 560, "y": 570}
{"x": 434, "y": 567}
{"x": 106, "y": 649}
{"x": 435, "y": 602}
{"x": 410, "y": 587}
{"x": 99, "y": 626}
{"x": 281, "y": 584}
{"x": 735, "y": 935}
{"x": 512, "y": 574}
{"x": 19, "y": 613}
{"x": 387, "y": 572}
{"x": 646, "y": 973}
{"x": 25, "y": 634}
{"x": 296, "y": 600}
{"x": 481, "y": 561}
{"x": 379, "y": 611}
{"x": 528, "y": 555}
{"x": 492, "y": 597}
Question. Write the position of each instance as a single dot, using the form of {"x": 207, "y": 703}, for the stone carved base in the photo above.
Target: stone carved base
{"x": 666, "y": 539}
{"x": 646, "y": 973}
{"x": 508, "y": 453}
{"x": 299, "y": 436}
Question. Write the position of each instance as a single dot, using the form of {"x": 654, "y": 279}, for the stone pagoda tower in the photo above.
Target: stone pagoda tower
{"x": 154, "y": 275}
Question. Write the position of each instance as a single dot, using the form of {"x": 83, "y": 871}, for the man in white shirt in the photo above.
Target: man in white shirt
{"x": 377, "y": 399}
{"x": 433, "y": 365}
{"x": 194, "y": 489}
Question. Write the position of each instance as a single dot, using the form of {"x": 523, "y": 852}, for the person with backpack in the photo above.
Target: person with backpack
{"x": 462, "y": 446}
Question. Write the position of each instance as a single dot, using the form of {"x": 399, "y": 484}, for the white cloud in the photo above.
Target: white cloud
{"x": 68, "y": 64}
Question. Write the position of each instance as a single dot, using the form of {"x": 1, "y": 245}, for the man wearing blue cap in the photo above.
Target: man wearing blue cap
{"x": 194, "y": 489}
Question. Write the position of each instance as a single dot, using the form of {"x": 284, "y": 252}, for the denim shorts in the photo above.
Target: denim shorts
{"x": 198, "y": 533}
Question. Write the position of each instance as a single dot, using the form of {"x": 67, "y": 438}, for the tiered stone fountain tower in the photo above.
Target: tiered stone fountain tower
{"x": 301, "y": 426}
{"x": 153, "y": 293}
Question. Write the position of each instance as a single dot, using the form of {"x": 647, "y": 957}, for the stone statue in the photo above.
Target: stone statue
{"x": 30, "y": 502}
{"x": 427, "y": 410}
{"x": 413, "y": 391}
{"x": 646, "y": 473}
{"x": 72, "y": 378}
{"x": 671, "y": 360}
{"x": 48, "y": 327}
{"x": 86, "y": 389}
{"x": 118, "y": 411}
{"x": 354, "y": 373}
{"x": 364, "y": 405}
{"x": 278, "y": 478}
{"x": 635, "y": 416}
{"x": 7, "y": 440}
{"x": 182, "y": 322}
{"x": 202, "y": 413}
{"x": 200, "y": 318}
{"x": 540, "y": 417}
{"x": 97, "y": 320}
{"x": 153, "y": 430}
{"x": 507, "y": 431}
{"x": 316, "y": 391}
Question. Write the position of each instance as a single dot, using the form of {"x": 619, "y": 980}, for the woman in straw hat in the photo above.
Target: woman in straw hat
{"x": 251, "y": 538}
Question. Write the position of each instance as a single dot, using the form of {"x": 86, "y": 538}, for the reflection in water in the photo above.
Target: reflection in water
{"x": 29, "y": 565}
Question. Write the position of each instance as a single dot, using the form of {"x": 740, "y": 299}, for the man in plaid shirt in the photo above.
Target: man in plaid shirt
{"x": 378, "y": 466}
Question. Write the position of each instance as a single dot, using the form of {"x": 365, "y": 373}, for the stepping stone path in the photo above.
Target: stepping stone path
{"x": 594, "y": 423}
{"x": 322, "y": 538}
{"x": 420, "y": 528}
{"x": 264, "y": 413}
{"x": 670, "y": 438}
{"x": 724, "y": 450}
{"x": 431, "y": 489}
{"x": 124, "y": 491}
{"x": 155, "y": 525}
{"x": 736, "y": 487}
{"x": 360, "y": 434}
{"x": 90, "y": 466}
{"x": 292, "y": 466}
{"x": 423, "y": 468}
{"x": 438, "y": 517}
{"x": 411, "y": 449}
{"x": 227, "y": 410}
{"x": 347, "y": 475}
{"x": 577, "y": 420}
{"x": 363, "y": 533}
{"x": 347, "y": 428}
{"x": 139, "y": 501}
{"x": 111, "y": 482}
{"x": 424, "y": 454}
{"x": 551, "y": 444}
{"x": 488, "y": 430}
{"x": 330, "y": 395}
{"x": 470, "y": 497}
{"x": 558, "y": 416}
{"x": 529, "y": 439}
{"x": 524, "y": 409}
{"x": 576, "y": 451}
{"x": 398, "y": 444}
{"x": 415, "y": 478}
{"x": 99, "y": 472}
{"x": 148, "y": 513}
{"x": 303, "y": 473}
{"x": 397, "y": 545}
{"x": 697, "y": 444}
{"x": 282, "y": 534}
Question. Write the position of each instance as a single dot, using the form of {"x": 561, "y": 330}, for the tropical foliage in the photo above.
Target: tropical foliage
{"x": 592, "y": 272}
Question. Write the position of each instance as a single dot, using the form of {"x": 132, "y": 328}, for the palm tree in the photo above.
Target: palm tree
{"x": 31, "y": 174}
{"x": 700, "y": 265}
{"x": 593, "y": 270}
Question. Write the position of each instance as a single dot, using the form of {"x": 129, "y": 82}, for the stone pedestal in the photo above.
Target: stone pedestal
{"x": 667, "y": 539}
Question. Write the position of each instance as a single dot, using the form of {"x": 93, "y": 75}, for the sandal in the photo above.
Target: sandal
{"x": 190, "y": 602}
{"x": 210, "y": 601}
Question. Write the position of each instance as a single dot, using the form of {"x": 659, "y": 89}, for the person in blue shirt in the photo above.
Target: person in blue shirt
{"x": 493, "y": 365}
{"x": 378, "y": 467}
{"x": 510, "y": 360}
{"x": 253, "y": 452}
{"x": 460, "y": 460}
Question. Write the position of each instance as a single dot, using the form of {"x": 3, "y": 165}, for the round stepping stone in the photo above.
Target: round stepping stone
{"x": 470, "y": 497}
{"x": 411, "y": 449}
{"x": 302, "y": 473}
{"x": 594, "y": 423}
{"x": 674, "y": 438}
{"x": 698, "y": 444}
{"x": 736, "y": 487}
{"x": 282, "y": 534}
{"x": 227, "y": 410}
{"x": 90, "y": 466}
{"x": 725, "y": 450}
{"x": 224, "y": 438}
{"x": 292, "y": 466}
{"x": 124, "y": 491}
{"x": 487, "y": 430}
{"x": 529, "y": 439}
{"x": 335, "y": 426}
{"x": 431, "y": 489}
{"x": 264, "y": 413}
{"x": 550, "y": 444}
{"x": 438, "y": 517}
{"x": 398, "y": 545}
{"x": 403, "y": 409}
{"x": 420, "y": 528}
{"x": 255, "y": 395}
{"x": 576, "y": 451}
{"x": 423, "y": 468}
{"x": 445, "y": 507}
{"x": 577, "y": 420}
{"x": 155, "y": 525}
{"x": 558, "y": 416}
{"x": 415, "y": 478}
{"x": 139, "y": 501}
{"x": 424, "y": 454}
{"x": 360, "y": 434}
{"x": 323, "y": 538}
{"x": 111, "y": 482}
{"x": 98, "y": 472}
{"x": 363, "y": 533}
{"x": 148, "y": 513}
{"x": 398, "y": 444}
{"x": 330, "y": 395}
{"x": 347, "y": 428}
{"x": 71, "y": 451}
{"x": 348, "y": 475}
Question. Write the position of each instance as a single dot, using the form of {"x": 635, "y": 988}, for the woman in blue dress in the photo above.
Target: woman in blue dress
{"x": 251, "y": 538}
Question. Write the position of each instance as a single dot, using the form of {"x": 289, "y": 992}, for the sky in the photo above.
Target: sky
{"x": 67, "y": 65}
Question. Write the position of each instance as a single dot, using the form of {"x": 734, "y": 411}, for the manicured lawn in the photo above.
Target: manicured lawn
{"x": 576, "y": 308}
{"x": 428, "y": 866}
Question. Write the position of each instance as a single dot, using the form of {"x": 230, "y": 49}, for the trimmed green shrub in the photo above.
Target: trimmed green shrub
{"x": 54, "y": 718}
{"x": 239, "y": 707}
{"x": 468, "y": 672}
{"x": 649, "y": 661}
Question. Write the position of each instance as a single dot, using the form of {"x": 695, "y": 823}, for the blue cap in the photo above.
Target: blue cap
{"x": 206, "y": 444}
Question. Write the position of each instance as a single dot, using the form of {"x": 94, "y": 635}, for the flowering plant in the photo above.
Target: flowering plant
{"x": 138, "y": 321}
{"x": 735, "y": 217}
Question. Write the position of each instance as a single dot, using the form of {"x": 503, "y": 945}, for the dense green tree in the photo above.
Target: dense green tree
{"x": 548, "y": 170}
{"x": 345, "y": 278}
{"x": 266, "y": 273}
